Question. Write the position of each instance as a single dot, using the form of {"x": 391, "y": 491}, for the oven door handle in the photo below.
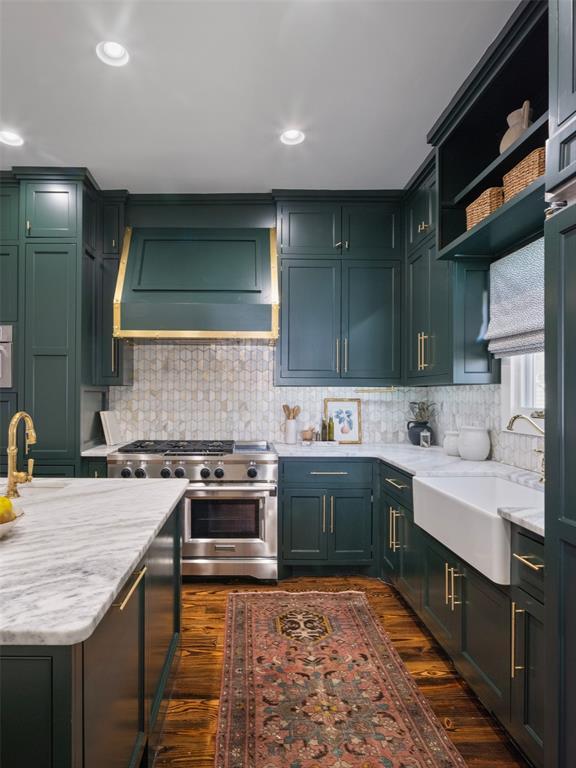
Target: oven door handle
{"x": 246, "y": 490}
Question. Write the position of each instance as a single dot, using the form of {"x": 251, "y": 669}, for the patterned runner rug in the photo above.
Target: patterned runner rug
{"x": 311, "y": 680}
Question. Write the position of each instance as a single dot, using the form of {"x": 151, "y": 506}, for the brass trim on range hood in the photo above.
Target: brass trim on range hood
{"x": 121, "y": 333}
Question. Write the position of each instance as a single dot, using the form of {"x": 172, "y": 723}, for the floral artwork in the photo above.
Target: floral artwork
{"x": 347, "y": 419}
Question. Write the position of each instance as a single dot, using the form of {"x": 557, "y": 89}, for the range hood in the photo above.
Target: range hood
{"x": 176, "y": 283}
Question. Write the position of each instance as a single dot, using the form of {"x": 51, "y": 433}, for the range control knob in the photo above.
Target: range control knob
{"x": 140, "y": 472}
{"x": 179, "y": 472}
{"x": 252, "y": 472}
{"x": 126, "y": 472}
{"x": 165, "y": 472}
{"x": 219, "y": 473}
{"x": 205, "y": 472}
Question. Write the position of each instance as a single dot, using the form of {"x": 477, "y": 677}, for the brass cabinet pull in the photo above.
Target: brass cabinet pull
{"x": 398, "y": 486}
{"x": 28, "y": 226}
{"x": 453, "y": 601}
{"x": 394, "y": 515}
{"x": 419, "y": 367}
{"x": 331, "y": 514}
{"x": 338, "y": 245}
{"x": 328, "y": 473}
{"x": 113, "y": 354}
{"x": 113, "y": 243}
{"x": 323, "y": 514}
{"x": 337, "y": 355}
{"x": 446, "y": 590}
{"x": 513, "y": 666}
{"x": 390, "y": 534}
{"x": 139, "y": 576}
{"x": 347, "y": 244}
{"x": 425, "y": 226}
{"x": 423, "y": 340}
{"x": 525, "y": 560}
{"x": 345, "y": 354}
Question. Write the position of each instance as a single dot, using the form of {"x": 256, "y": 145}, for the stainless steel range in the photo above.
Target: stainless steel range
{"x": 230, "y": 507}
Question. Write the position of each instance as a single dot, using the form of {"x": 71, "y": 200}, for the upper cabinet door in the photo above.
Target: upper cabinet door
{"x": 51, "y": 210}
{"x": 437, "y": 349}
{"x": 561, "y": 149}
{"x": 310, "y": 229}
{"x": 9, "y": 213}
{"x": 371, "y": 230}
{"x": 112, "y": 219}
{"x": 418, "y": 310}
{"x": 371, "y": 296}
{"x": 310, "y": 324}
{"x": 421, "y": 212}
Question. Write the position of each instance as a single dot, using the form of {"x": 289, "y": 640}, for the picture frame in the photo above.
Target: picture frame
{"x": 347, "y": 415}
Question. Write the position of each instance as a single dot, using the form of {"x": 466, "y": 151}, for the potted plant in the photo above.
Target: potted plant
{"x": 422, "y": 411}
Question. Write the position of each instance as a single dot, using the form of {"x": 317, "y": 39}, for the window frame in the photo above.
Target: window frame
{"x": 513, "y": 382}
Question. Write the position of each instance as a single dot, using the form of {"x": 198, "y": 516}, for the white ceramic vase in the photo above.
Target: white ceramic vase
{"x": 474, "y": 443}
{"x": 291, "y": 430}
{"x": 450, "y": 443}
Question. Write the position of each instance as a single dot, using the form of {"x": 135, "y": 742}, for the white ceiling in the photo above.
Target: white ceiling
{"x": 211, "y": 84}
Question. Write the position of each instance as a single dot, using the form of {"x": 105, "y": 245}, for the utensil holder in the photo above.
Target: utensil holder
{"x": 291, "y": 431}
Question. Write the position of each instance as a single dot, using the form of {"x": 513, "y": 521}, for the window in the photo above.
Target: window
{"x": 523, "y": 390}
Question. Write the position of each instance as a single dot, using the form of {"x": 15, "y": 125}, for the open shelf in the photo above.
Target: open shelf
{"x": 535, "y": 136}
{"x": 512, "y": 223}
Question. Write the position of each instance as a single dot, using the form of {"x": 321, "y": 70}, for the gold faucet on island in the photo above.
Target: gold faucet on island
{"x": 539, "y": 429}
{"x": 14, "y": 476}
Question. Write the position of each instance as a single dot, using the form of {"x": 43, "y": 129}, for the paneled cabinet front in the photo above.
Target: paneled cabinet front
{"x": 355, "y": 230}
{"x": 340, "y": 321}
{"x": 114, "y": 356}
{"x": 421, "y": 212}
{"x": 50, "y": 210}
{"x": 50, "y": 356}
{"x": 330, "y": 525}
{"x": 561, "y": 149}
{"x": 441, "y": 595}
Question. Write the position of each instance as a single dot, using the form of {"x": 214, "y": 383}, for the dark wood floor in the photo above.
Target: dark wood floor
{"x": 190, "y": 728}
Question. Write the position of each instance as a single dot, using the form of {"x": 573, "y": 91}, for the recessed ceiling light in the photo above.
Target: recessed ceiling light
{"x": 292, "y": 136}
{"x": 11, "y": 138}
{"x": 113, "y": 54}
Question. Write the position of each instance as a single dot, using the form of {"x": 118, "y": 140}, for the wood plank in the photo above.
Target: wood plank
{"x": 191, "y": 721}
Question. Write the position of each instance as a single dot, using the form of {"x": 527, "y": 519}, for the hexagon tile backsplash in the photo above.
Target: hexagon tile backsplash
{"x": 226, "y": 391}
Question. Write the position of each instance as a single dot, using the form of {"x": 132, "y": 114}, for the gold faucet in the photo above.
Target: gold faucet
{"x": 536, "y": 450}
{"x": 15, "y": 477}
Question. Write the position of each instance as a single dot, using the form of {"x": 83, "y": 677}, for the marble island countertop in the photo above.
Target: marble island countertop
{"x": 432, "y": 462}
{"x": 68, "y": 557}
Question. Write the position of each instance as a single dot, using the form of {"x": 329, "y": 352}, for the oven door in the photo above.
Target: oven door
{"x": 230, "y": 521}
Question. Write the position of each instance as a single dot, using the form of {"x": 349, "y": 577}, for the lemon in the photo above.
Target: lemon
{"x": 6, "y": 510}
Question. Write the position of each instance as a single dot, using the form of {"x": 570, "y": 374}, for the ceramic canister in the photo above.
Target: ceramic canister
{"x": 291, "y": 430}
{"x": 474, "y": 443}
{"x": 450, "y": 443}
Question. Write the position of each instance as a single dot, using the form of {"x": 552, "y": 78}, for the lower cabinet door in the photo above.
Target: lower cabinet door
{"x": 388, "y": 537}
{"x": 114, "y": 682}
{"x": 304, "y": 524}
{"x": 441, "y": 597}
{"x": 528, "y": 683}
{"x": 409, "y": 578}
{"x": 484, "y": 658}
{"x": 350, "y": 525}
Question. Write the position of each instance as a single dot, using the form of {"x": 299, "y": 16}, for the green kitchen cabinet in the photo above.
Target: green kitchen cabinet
{"x": 310, "y": 320}
{"x": 51, "y": 209}
{"x": 441, "y": 594}
{"x": 9, "y": 208}
{"x": 528, "y": 702}
{"x": 421, "y": 212}
{"x": 115, "y": 357}
{"x": 483, "y": 656}
{"x": 50, "y": 356}
{"x": 304, "y": 524}
{"x": 407, "y": 541}
{"x": 447, "y": 307}
{"x": 310, "y": 228}
{"x": 94, "y": 468}
{"x": 371, "y": 319}
{"x": 112, "y": 226}
{"x": 362, "y": 229}
{"x": 561, "y": 147}
{"x": 9, "y": 283}
{"x": 8, "y": 407}
{"x": 41, "y": 469}
{"x": 350, "y": 525}
{"x": 389, "y": 546}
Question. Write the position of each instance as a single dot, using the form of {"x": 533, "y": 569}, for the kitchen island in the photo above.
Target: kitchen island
{"x": 89, "y": 621}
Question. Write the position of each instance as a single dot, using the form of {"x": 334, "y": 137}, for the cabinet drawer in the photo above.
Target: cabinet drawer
{"x": 397, "y": 484}
{"x": 329, "y": 473}
{"x": 528, "y": 563}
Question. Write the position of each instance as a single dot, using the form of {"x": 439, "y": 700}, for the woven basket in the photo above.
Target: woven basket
{"x": 491, "y": 199}
{"x": 523, "y": 174}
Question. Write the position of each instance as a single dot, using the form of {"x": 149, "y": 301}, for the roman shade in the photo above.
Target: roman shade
{"x": 517, "y": 302}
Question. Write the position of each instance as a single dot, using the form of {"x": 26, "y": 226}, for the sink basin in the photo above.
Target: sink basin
{"x": 462, "y": 513}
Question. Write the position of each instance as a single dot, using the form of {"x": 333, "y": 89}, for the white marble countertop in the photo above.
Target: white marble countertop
{"x": 68, "y": 557}
{"x": 431, "y": 462}
{"x": 101, "y": 451}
